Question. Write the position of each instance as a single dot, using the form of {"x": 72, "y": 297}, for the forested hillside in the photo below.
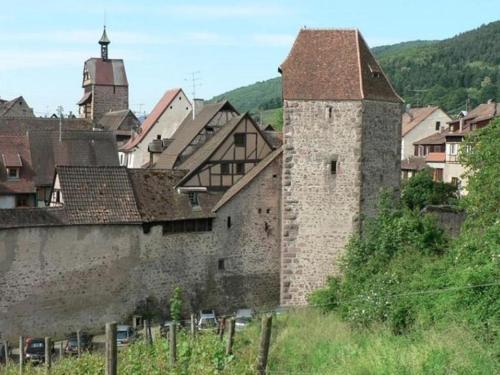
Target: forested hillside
{"x": 448, "y": 73}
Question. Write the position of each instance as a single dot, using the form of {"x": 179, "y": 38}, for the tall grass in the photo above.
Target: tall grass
{"x": 303, "y": 342}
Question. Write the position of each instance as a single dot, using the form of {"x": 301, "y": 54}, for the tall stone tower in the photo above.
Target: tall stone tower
{"x": 105, "y": 85}
{"x": 342, "y": 137}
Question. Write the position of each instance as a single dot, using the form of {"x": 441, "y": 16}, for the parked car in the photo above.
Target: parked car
{"x": 207, "y": 320}
{"x": 72, "y": 344}
{"x": 124, "y": 335}
{"x": 242, "y": 318}
{"x": 280, "y": 310}
{"x": 35, "y": 349}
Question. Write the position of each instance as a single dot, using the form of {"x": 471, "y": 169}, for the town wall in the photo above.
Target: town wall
{"x": 56, "y": 279}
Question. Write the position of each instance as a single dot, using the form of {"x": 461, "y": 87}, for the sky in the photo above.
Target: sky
{"x": 43, "y": 44}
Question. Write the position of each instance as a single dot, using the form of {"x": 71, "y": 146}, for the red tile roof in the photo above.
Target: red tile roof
{"x": 334, "y": 65}
{"x": 415, "y": 116}
{"x": 110, "y": 72}
{"x": 433, "y": 139}
{"x": 153, "y": 117}
{"x": 436, "y": 157}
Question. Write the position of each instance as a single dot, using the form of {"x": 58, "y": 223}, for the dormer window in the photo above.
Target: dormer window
{"x": 13, "y": 173}
{"x": 375, "y": 71}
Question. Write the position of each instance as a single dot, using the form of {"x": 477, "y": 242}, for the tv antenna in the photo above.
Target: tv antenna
{"x": 195, "y": 81}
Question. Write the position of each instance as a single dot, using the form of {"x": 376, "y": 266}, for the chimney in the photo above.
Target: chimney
{"x": 155, "y": 147}
{"x": 198, "y": 105}
{"x": 461, "y": 124}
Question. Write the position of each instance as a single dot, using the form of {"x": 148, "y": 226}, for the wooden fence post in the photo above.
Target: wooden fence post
{"x": 48, "y": 354}
{"x": 193, "y": 326}
{"x": 78, "y": 343}
{"x": 21, "y": 354}
{"x": 230, "y": 337}
{"x": 61, "y": 350}
{"x": 6, "y": 351}
{"x": 111, "y": 357}
{"x": 222, "y": 327}
{"x": 265, "y": 339}
{"x": 172, "y": 344}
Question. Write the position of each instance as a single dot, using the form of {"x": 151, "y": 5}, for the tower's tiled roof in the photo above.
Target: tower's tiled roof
{"x": 109, "y": 72}
{"x": 334, "y": 64}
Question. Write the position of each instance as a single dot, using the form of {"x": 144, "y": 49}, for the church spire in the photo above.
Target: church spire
{"x": 104, "y": 41}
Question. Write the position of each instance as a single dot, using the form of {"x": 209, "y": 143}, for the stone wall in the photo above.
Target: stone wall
{"x": 54, "y": 280}
{"x": 320, "y": 209}
{"x": 108, "y": 98}
{"x": 338, "y": 155}
{"x": 381, "y": 152}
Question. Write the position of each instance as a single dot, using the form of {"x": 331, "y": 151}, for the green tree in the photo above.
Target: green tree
{"x": 420, "y": 190}
{"x": 176, "y": 305}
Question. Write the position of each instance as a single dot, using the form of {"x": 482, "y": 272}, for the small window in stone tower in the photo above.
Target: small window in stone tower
{"x": 333, "y": 167}
{"x": 229, "y": 221}
{"x": 220, "y": 265}
{"x": 329, "y": 112}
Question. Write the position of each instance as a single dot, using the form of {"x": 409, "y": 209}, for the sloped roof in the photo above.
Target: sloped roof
{"x": 113, "y": 120}
{"x": 274, "y": 138}
{"x": 334, "y": 64}
{"x": 482, "y": 113}
{"x": 153, "y": 118}
{"x": 15, "y": 152}
{"x": 415, "y": 116}
{"x": 433, "y": 139}
{"x": 97, "y": 195}
{"x": 158, "y": 200}
{"x": 187, "y": 131}
{"x": 109, "y": 72}
{"x": 20, "y": 125}
{"x": 413, "y": 163}
{"x": 247, "y": 178}
{"x": 76, "y": 148}
{"x": 435, "y": 157}
{"x": 32, "y": 217}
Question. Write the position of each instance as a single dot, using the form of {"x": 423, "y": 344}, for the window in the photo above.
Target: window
{"x": 229, "y": 221}
{"x": 268, "y": 211}
{"x": 333, "y": 167}
{"x": 259, "y": 210}
{"x": 209, "y": 130}
{"x": 455, "y": 181}
{"x": 22, "y": 201}
{"x": 240, "y": 168}
{"x": 329, "y": 112}
{"x": 12, "y": 173}
{"x": 240, "y": 139}
{"x": 438, "y": 174}
{"x": 438, "y": 125}
{"x": 220, "y": 265}
{"x": 453, "y": 149}
{"x": 224, "y": 169}
{"x": 193, "y": 199}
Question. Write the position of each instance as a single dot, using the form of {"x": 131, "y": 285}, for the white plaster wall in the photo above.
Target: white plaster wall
{"x": 422, "y": 130}
{"x": 7, "y": 201}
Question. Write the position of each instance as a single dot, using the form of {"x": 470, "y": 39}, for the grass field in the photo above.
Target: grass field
{"x": 304, "y": 342}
